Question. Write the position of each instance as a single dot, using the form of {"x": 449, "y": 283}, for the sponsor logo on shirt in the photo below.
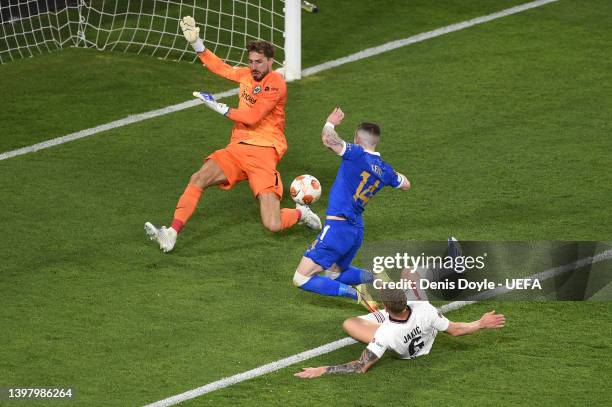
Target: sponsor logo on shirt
{"x": 257, "y": 89}
{"x": 250, "y": 99}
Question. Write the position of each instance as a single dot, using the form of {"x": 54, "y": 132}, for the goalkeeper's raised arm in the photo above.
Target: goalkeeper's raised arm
{"x": 262, "y": 91}
{"x": 210, "y": 60}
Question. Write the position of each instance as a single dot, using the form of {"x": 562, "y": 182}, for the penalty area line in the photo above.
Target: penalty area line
{"x": 369, "y": 52}
{"x": 332, "y": 346}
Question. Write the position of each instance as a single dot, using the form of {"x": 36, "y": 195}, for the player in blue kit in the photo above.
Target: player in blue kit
{"x": 361, "y": 175}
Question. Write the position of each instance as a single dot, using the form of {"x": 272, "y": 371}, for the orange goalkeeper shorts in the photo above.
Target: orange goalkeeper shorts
{"x": 241, "y": 161}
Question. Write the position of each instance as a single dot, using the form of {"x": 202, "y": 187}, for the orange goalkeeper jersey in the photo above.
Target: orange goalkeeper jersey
{"x": 260, "y": 117}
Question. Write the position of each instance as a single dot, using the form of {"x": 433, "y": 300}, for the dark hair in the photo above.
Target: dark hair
{"x": 261, "y": 46}
{"x": 394, "y": 300}
{"x": 371, "y": 128}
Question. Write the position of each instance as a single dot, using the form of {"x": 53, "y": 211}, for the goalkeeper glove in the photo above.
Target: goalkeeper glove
{"x": 192, "y": 33}
{"x": 210, "y": 102}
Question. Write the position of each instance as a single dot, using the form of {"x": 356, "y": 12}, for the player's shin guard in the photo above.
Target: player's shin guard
{"x": 289, "y": 217}
{"x": 324, "y": 286}
{"x": 186, "y": 206}
{"x": 355, "y": 276}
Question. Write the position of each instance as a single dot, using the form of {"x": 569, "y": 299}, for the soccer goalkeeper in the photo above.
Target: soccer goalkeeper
{"x": 256, "y": 145}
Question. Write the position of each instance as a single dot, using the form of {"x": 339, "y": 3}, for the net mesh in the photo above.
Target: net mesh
{"x": 149, "y": 27}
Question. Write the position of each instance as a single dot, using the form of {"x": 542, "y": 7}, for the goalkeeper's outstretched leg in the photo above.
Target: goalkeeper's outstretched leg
{"x": 224, "y": 168}
{"x": 209, "y": 174}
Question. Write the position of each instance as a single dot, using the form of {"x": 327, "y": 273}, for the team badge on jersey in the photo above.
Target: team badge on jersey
{"x": 257, "y": 89}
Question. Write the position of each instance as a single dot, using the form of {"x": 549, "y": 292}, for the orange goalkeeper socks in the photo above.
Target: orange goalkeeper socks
{"x": 289, "y": 217}
{"x": 186, "y": 206}
{"x": 189, "y": 201}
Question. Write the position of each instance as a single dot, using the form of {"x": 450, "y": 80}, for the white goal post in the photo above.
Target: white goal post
{"x": 150, "y": 27}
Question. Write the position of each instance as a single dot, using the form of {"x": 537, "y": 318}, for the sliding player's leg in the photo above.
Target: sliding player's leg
{"x": 361, "y": 329}
{"x": 435, "y": 274}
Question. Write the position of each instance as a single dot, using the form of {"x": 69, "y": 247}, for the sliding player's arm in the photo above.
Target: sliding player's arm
{"x": 366, "y": 361}
{"x": 210, "y": 60}
{"x": 329, "y": 136}
{"x": 490, "y": 320}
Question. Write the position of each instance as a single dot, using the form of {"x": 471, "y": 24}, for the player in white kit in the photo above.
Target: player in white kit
{"x": 406, "y": 328}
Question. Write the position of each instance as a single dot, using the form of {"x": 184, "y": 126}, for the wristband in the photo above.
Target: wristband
{"x": 198, "y": 46}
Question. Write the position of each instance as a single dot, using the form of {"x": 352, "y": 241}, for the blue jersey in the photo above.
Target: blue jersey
{"x": 360, "y": 176}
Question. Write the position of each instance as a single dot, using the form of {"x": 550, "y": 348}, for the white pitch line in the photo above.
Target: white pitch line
{"x": 545, "y": 275}
{"x": 389, "y": 46}
{"x": 261, "y": 370}
{"x": 322, "y": 350}
{"x": 109, "y": 126}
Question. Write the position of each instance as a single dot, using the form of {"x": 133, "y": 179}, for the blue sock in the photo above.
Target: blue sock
{"x": 327, "y": 286}
{"x": 354, "y": 276}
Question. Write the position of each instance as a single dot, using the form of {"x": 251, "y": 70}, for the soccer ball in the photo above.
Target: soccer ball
{"x": 305, "y": 189}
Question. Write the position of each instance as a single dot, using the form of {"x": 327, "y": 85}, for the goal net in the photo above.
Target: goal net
{"x": 150, "y": 27}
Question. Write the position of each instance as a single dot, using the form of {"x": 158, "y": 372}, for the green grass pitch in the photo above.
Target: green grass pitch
{"x": 503, "y": 129}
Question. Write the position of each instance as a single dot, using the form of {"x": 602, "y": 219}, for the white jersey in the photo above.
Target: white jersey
{"x": 411, "y": 338}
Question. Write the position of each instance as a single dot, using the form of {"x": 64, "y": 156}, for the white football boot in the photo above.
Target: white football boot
{"x": 166, "y": 237}
{"x": 308, "y": 218}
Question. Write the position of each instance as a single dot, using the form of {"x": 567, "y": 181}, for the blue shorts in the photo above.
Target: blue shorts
{"x": 338, "y": 243}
